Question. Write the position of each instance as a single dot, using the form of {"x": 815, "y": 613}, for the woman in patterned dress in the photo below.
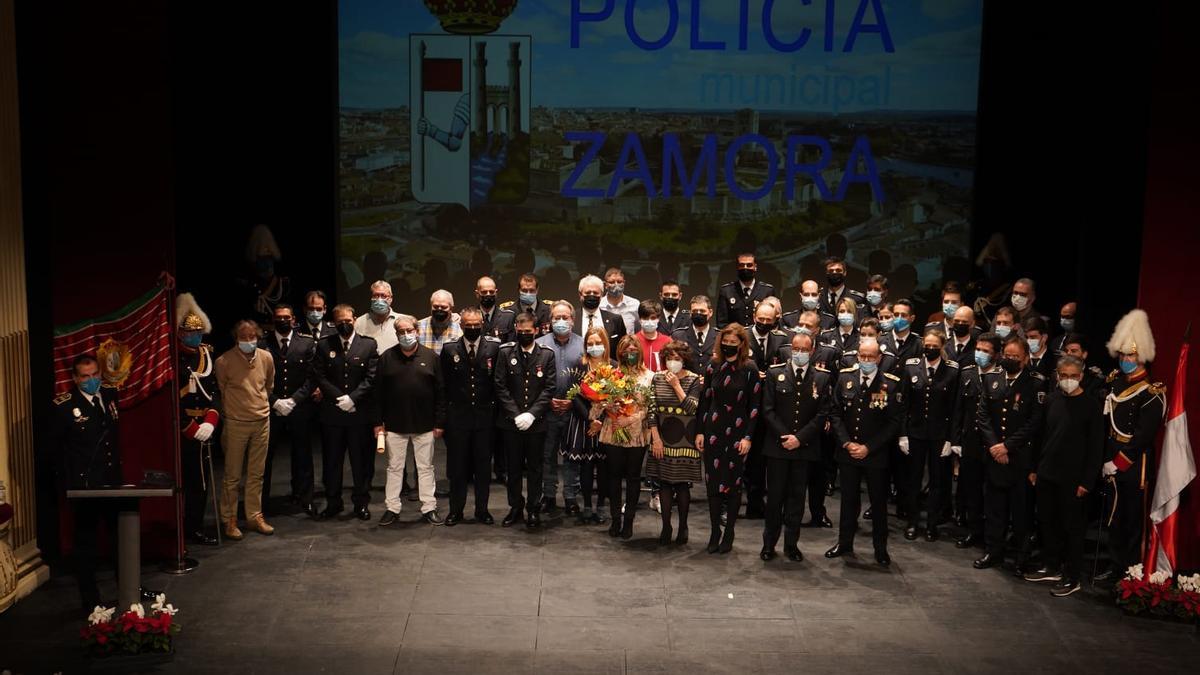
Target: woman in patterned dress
{"x": 725, "y": 418}
{"x": 674, "y": 460}
{"x": 581, "y": 444}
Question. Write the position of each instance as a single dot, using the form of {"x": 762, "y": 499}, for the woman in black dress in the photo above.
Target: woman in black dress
{"x": 581, "y": 442}
{"x": 725, "y": 424}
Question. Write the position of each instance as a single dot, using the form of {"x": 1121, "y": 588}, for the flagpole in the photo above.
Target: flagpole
{"x": 181, "y": 564}
{"x": 422, "y": 115}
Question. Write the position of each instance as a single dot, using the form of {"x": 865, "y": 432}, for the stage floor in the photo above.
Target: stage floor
{"x": 349, "y": 597}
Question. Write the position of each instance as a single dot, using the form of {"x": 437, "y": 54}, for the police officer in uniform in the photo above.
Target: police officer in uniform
{"x": 932, "y": 382}
{"x": 84, "y": 443}
{"x": 523, "y": 375}
{"x": 1134, "y": 408}
{"x": 737, "y": 300}
{"x": 468, "y": 364}
{"x": 866, "y": 417}
{"x": 698, "y": 334}
{"x": 836, "y": 291}
{"x": 796, "y": 408}
{"x": 766, "y": 344}
{"x": 199, "y": 401}
{"x": 966, "y": 441}
{"x": 344, "y": 369}
{"x": 528, "y": 301}
{"x": 293, "y": 355}
{"x": 314, "y": 324}
{"x": 497, "y": 321}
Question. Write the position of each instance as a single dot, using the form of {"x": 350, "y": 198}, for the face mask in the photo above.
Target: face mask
{"x": 982, "y": 359}
{"x": 561, "y": 327}
{"x": 961, "y": 330}
{"x": 1067, "y": 324}
{"x": 932, "y": 353}
{"x": 949, "y": 308}
{"x": 528, "y": 299}
{"x": 408, "y": 340}
{"x": 803, "y": 330}
{"x": 193, "y": 340}
{"x": 900, "y": 323}
{"x": 846, "y": 318}
{"x": 746, "y": 275}
{"x": 810, "y": 302}
{"x": 1019, "y": 302}
{"x": 631, "y": 358}
{"x": 616, "y": 289}
{"x": 670, "y": 304}
{"x": 675, "y": 366}
{"x": 1035, "y": 345}
{"x": 90, "y": 386}
{"x": 762, "y": 328}
{"x": 835, "y": 279}
{"x": 729, "y": 350}
{"x": 345, "y": 329}
{"x": 247, "y": 347}
{"x": 487, "y": 301}
{"x": 595, "y": 351}
{"x": 650, "y": 326}
{"x": 314, "y": 317}
{"x": 1128, "y": 367}
{"x": 472, "y": 334}
{"x": 801, "y": 358}
{"x": 283, "y": 326}
{"x": 886, "y": 325}
{"x": 867, "y": 367}
{"x": 1010, "y": 366}
{"x": 525, "y": 339}
{"x": 1068, "y": 385}
{"x": 591, "y": 301}
{"x": 440, "y": 315}
{"x": 874, "y": 297}
{"x": 380, "y": 306}
{"x": 1003, "y": 331}
{"x": 699, "y": 320}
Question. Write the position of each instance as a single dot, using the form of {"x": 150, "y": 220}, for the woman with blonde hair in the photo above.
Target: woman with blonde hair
{"x": 581, "y": 444}
{"x": 623, "y": 440}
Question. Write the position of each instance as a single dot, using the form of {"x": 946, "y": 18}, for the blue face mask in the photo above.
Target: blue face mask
{"x": 528, "y": 299}
{"x": 1035, "y": 345}
{"x": 801, "y": 358}
{"x": 561, "y": 327}
{"x": 192, "y": 339}
{"x": 1067, "y": 324}
{"x": 900, "y": 323}
{"x": 1128, "y": 367}
{"x": 949, "y": 308}
{"x": 874, "y": 297}
{"x": 867, "y": 368}
{"x": 408, "y": 340}
{"x": 982, "y": 359}
{"x": 803, "y": 331}
{"x": 886, "y": 325}
{"x": 314, "y": 317}
{"x": 379, "y": 306}
{"x": 846, "y": 319}
{"x": 247, "y": 347}
{"x": 595, "y": 351}
{"x": 1003, "y": 331}
{"x": 90, "y": 386}
{"x": 810, "y": 302}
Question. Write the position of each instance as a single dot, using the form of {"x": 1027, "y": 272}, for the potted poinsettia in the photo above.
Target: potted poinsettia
{"x": 1159, "y": 595}
{"x": 134, "y": 632}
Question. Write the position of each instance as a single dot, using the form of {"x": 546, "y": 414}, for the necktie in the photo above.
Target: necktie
{"x": 591, "y": 318}
{"x": 762, "y": 346}
{"x": 700, "y": 338}
{"x": 745, "y": 291}
{"x": 471, "y": 352}
{"x": 866, "y": 381}
{"x": 931, "y": 373}
{"x": 283, "y": 346}
{"x": 345, "y": 345}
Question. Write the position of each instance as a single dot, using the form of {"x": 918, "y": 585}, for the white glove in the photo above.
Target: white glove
{"x": 904, "y": 444}
{"x": 956, "y": 449}
{"x": 1109, "y": 469}
{"x": 523, "y": 421}
{"x": 946, "y": 449}
{"x": 344, "y": 403}
{"x": 284, "y": 406}
{"x": 204, "y": 432}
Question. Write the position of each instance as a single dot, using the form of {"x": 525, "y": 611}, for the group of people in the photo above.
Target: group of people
{"x": 771, "y": 410}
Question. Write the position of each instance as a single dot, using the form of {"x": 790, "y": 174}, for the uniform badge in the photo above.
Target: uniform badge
{"x": 75, "y": 412}
{"x": 915, "y": 379}
{"x": 333, "y": 355}
{"x": 849, "y": 384}
{"x": 539, "y": 372}
{"x": 815, "y": 394}
{"x": 422, "y": 365}
{"x": 457, "y": 358}
{"x": 995, "y": 385}
{"x": 782, "y": 377}
{"x": 513, "y": 362}
{"x": 1041, "y": 397}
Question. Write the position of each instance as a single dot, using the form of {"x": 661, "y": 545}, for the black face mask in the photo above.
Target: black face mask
{"x": 487, "y": 301}
{"x": 472, "y": 334}
{"x": 283, "y": 327}
{"x": 591, "y": 301}
{"x": 961, "y": 329}
{"x": 670, "y": 304}
{"x": 699, "y": 320}
{"x": 762, "y": 328}
{"x": 345, "y": 329}
{"x": 1010, "y": 366}
{"x": 440, "y": 315}
{"x": 835, "y": 279}
{"x": 729, "y": 350}
{"x": 933, "y": 353}
{"x": 746, "y": 275}
{"x": 525, "y": 339}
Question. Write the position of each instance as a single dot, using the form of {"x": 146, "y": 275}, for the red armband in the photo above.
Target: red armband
{"x": 1122, "y": 461}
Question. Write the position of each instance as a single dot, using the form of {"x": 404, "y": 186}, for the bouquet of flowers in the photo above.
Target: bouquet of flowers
{"x": 614, "y": 394}
{"x": 133, "y": 632}
{"x": 1158, "y": 594}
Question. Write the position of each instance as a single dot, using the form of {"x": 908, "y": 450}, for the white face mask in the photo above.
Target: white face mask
{"x": 650, "y": 325}
{"x": 1068, "y": 385}
{"x": 1019, "y": 301}
{"x": 675, "y": 366}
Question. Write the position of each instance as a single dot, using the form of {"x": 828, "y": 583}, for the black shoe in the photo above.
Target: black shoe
{"x": 823, "y": 521}
{"x": 627, "y": 529}
{"x": 682, "y": 537}
{"x": 726, "y": 541}
{"x": 362, "y": 513}
{"x": 484, "y": 519}
{"x": 664, "y": 537}
{"x": 910, "y": 533}
{"x": 330, "y": 512}
{"x": 614, "y": 528}
{"x": 1043, "y": 574}
{"x": 533, "y": 521}
{"x": 388, "y": 518}
{"x": 714, "y": 541}
{"x": 1104, "y": 575}
{"x": 203, "y": 538}
{"x": 883, "y": 558}
{"x": 838, "y": 551}
{"x": 960, "y": 520}
{"x": 969, "y": 541}
{"x": 513, "y": 517}
{"x": 1064, "y": 588}
{"x": 310, "y": 509}
{"x": 572, "y": 509}
{"x": 988, "y": 560}
{"x": 452, "y": 519}
{"x": 768, "y": 553}
{"x": 432, "y": 518}
{"x": 931, "y": 534}
{"x": 793, "y": 554}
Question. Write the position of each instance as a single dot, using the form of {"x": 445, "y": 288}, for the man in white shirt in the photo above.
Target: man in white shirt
{"x": 378, "y": 322}
{"x": 616, "y": 301}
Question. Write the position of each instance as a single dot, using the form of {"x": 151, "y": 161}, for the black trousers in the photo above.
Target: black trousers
{"x": 88, "y": 515}
{"x": 337, "y": 441}
{"x": 524, "y": 451}
{"x": 469, "y": 454}
{"x": 787, "y": 479}
{"x": 1125, "y": 534}
{"x": 877, "y": 492}
{"x": 296, "y": 429}
{"x": 1005, "y": 504}
{"x": 925, "y": 455}
{"x": 756, "y": 474}
{"x": 971, "y": 477}
{"x": 1064, "y": 523}
{"x": 623, "y": 463}
{"x": 195, "y": 484}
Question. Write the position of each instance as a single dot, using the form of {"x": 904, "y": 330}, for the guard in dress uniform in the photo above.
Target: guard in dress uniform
{"x": 967, "y": 443}
{"x": 796, "y": 408}
{"x": 84, "y": 443}
{"x": 692, "y": 336}
{"x": 344, "y": 369}
{"x": 931, "y": 388}
{"x": 866, "y": 416}
{"x": 1009, "y": 418}
{"x": 498, "y": 322}
{"x": 737, "y": 300}
{"x": 523, "y": 377}
{"x": 199, "y": 401}
{"x": 767, "y": 345}
{"x": 540, "y": 311}
{"x": 291, "y": 412}
{"x": 1134, "y": 408}
{"x": 468, "y": 365}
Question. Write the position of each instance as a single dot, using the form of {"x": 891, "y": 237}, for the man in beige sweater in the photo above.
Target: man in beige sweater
{"x": 246, "y": 375}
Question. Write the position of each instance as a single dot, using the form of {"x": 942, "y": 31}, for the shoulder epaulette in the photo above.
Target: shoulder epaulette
{"x": 794, "y": 311}
{"x": 507, "y": 303}
{"x": 548, "y": 302}
{"x": 821, "y": 367}
{"x": 913, "y": 361}
{"x": 1112, "y": 376}
{"x": 1095, "y": 370}
{"x": 1158, "y": 389}
{"x": 62, "y": 398}
{"x": 508, "y": 344}
{"x": 1036, "y": 375}
{"x": 892, "y": 376}
{"x": 731, "y": 283}
{"x": 952, "y": 363}
{"x": 776, "y": 331}
{"x": 850, "y": 369}
{"x": 491, "y": 338}
{"x": 969, "y": 366}
{"x": 776, "y": 365}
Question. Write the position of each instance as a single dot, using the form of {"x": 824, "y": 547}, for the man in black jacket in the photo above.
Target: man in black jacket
{"x": 699, "y": 334}
{"x": 591, "y": 291}
{"x": 291, "y": 415}
{"x": 931, "y": 380}
{"x": 737, "y": 300}
{"x": 966, "y": 441}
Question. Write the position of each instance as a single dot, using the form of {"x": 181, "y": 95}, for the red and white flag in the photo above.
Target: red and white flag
{"x": 1176, "y": 469}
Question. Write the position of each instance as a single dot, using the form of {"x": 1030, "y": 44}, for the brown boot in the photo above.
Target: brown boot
{"x": 231, "y": 529}
{"x": 260, "y": 525}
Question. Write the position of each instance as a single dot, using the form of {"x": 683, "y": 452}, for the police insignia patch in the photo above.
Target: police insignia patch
{"x": 1041, "y": 397}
